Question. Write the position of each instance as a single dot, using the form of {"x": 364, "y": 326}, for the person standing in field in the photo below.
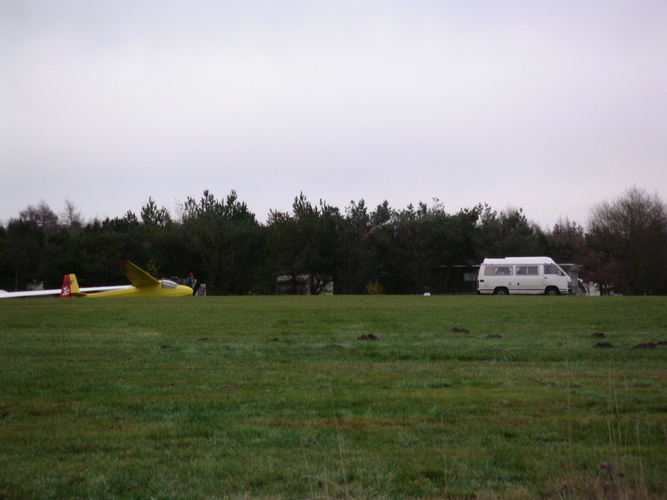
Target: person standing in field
{"x": 191, "y": 282}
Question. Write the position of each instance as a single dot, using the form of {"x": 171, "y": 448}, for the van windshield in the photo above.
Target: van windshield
{"x": 552, "y": 269}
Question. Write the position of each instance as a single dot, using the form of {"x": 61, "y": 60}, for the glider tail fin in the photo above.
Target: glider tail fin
{"x": 70, "y": 287}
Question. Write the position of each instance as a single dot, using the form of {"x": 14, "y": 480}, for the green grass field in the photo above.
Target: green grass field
{"x": 274, "y": 397}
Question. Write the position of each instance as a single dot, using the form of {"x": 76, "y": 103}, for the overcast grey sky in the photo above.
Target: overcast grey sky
{"x": 551, "y": 106}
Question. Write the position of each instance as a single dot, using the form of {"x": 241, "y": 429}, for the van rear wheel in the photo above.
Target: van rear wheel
{"x": 552, "y": 290}
{"x": 501, "y": 291}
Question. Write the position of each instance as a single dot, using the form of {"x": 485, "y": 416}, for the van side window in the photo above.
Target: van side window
{"x": 527, "y": 270}
{"x": 498, "y": 271}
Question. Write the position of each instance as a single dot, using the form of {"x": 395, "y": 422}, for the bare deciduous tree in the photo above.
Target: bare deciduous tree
{"x": 71, "y": 217}
{"x": 632, "y": 232}
{"x": 42, "y": 217}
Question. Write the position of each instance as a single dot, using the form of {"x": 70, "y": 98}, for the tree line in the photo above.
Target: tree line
{"x": 411, "y": 250}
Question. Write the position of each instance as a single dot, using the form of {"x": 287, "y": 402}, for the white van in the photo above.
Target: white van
{"x": 522, "y": 275}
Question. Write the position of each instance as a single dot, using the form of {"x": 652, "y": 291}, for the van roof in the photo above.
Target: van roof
{"x": 520, "y": 260}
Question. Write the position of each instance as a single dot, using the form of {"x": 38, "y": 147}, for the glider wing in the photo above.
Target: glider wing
{"x": 137, "y": 276}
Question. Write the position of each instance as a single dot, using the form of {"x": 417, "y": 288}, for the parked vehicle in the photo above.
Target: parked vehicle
{"x": 522, "y": 275}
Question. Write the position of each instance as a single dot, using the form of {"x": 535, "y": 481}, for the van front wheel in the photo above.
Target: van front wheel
{"x": 552, "y": 290}
{"x": 501, "y": 291}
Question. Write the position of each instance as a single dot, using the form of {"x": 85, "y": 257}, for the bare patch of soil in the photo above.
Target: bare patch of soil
{"x": 647, "y": 345}
{"x": 456, "y": 329}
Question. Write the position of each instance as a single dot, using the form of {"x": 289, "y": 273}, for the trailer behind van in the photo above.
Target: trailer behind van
{"x": 522, "y": 275}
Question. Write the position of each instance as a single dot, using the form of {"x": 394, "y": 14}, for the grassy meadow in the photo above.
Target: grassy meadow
{"x": 275, "y": 397}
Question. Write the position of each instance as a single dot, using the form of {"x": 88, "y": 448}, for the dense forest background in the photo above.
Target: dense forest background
{"x": 622, "y": 247}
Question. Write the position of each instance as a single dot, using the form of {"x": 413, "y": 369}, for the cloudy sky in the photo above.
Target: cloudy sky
{"x": 548, "y": 106}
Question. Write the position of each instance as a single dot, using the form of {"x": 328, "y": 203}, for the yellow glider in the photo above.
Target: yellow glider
{"x": 143, "y": 285}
